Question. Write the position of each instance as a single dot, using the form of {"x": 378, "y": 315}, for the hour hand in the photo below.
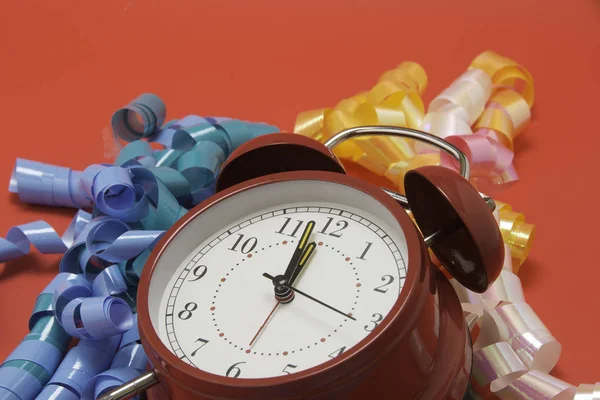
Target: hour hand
{"x": 308, "y": 252}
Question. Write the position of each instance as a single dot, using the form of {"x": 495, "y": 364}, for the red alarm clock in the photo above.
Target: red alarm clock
{"x": 298, "y": 281}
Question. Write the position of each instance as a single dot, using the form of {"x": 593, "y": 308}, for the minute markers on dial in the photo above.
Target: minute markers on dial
{"x": 215, "y": 357}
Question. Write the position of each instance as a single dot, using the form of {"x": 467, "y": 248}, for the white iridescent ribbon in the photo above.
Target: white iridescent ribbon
{"x": 513, "y": 351}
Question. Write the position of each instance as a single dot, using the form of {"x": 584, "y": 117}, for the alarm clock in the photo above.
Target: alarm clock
{"x": 296, "y": 280}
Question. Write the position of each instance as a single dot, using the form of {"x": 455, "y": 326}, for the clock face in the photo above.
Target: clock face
{"x": 218, "y": 312}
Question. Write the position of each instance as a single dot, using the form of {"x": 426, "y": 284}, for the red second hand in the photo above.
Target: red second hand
{"x": 264, "y": 324}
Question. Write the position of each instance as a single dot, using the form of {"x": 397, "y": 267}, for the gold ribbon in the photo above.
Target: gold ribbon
{"x": 395, "y": 100}
{"x": 517, "y": 234}
{"x": 506, "y": 73}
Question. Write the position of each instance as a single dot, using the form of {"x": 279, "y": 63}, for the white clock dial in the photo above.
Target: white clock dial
{"x": 217, "y": 300}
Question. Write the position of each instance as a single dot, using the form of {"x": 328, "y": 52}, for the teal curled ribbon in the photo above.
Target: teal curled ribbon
{"x": 133, "y": 201}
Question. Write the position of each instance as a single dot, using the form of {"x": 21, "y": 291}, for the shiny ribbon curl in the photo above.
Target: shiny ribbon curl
{"x": 42, "y": 236}
{"x": 518, "y": 234}
{"x": 31, "y": 364}
{"x": 513, "y": 351}
{"x": 82, "y": 363}
{"x": 128, "y": 363}
{"x": 40, "y": 183}
{"x": 88, "y": 310}
{"x": 474, "y": 103}
{"x": 395, "y": 100}
{"x": 506, "y": 73}
{"x": 141, "y": 118}
{"x": 133, "y": 202}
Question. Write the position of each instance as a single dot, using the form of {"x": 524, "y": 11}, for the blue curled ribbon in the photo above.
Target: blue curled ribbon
{"x": 52, "y": 185}
{"x": 109, "y": 282}
{"x": 31, "y": 364}
{"x": 133, "y": 202}
{"x": 105, "y": 241}
{"x": 72, "y": 287}
{"x": 140, "y": 118}
{"x": 96, "y": 317}
{"x": 88, "y": 310}
{"x": 129, "y": 362}
{"x": 42, "y": 236}
{"x": 82, "y": 363}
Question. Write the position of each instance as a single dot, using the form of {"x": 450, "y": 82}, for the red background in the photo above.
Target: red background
{"x": 67, "y": 65}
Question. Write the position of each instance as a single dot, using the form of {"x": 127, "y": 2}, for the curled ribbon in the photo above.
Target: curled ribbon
{"x": 513, "y": 351}
{"x": 31, "y": 364}
{"x": 394, "y": 100}
{"x": 40, "y": 183}
{"x": 133, "y": 201}
{"x": 84, "y": 316}
{"x": 506, "y": 73}
{"x": 140, "y": 118}
{"x": 82, "y": 363}
{"x": 129, "y": 362}
{"x": 96, "y": 317}
{"x": 41, "y": 235}
{"x": 517, "y": 234}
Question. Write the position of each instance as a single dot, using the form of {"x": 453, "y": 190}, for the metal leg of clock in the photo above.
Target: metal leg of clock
{"x": 132, "y": 388}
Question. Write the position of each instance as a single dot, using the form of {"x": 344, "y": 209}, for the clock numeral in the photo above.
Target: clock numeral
{"x": 337, "y": 352}
{"x": 388, "y": 279}
{"x": 341, "y": 224}
{"x": 289, "y": 366}
{"x": 364, "y": 253}
{"x": 247, "y": 246}
{"x": 198, "y": 272}
{"x": 377, "y": 319}
{"x": 186, "y": 313}
{"x": 234, "y": 371}
{"x": 203, "y": 341}
{"x": 285, "y": 224}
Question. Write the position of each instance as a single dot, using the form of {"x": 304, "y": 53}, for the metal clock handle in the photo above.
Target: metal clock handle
{"x": 435, "y": 141}
{"x": 132, "y": 388}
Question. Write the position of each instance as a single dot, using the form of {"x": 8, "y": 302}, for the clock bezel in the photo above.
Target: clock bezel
{"x": 336, "y": 371}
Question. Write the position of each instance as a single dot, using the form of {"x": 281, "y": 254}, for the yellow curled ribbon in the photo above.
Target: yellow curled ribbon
{"x": 506, "y": 73}
{"x": 516, "y": 232}
{"x": 395, "y": 100}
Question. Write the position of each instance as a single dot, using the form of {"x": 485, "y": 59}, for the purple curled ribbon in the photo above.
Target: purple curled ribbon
{"x": 41, "y": 353}
{"x": 40, "y": 183}
{"x": 132, "y": 204}
{"x": 129, "y": 362}
{"x": 96, "y": 317}
{"x": 107, "y": 380}
{"x": 114, "y": 193}
{"x": 82, "y": 363}
{"x": 105, "y": 241}
{"x": 72, "y": 287}
{"x": 112, "y": 241}
{"x": 42, "y": 236}
{"x": 140, "y": 118}
{"x": 109, "y": 282}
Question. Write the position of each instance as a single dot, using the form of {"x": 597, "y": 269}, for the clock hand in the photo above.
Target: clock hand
{"x": 262, "y": 327}
{"x": 293, "y": 264}
{"x": 282, "y": 292}
{"x": 301, "y": 263}
{"x": 308, "y": 296}
{"x": 310, "y": 248}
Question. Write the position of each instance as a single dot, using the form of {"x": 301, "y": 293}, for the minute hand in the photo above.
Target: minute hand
{"x": 289, "y": 272}
{"x": 310, "y": 297}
